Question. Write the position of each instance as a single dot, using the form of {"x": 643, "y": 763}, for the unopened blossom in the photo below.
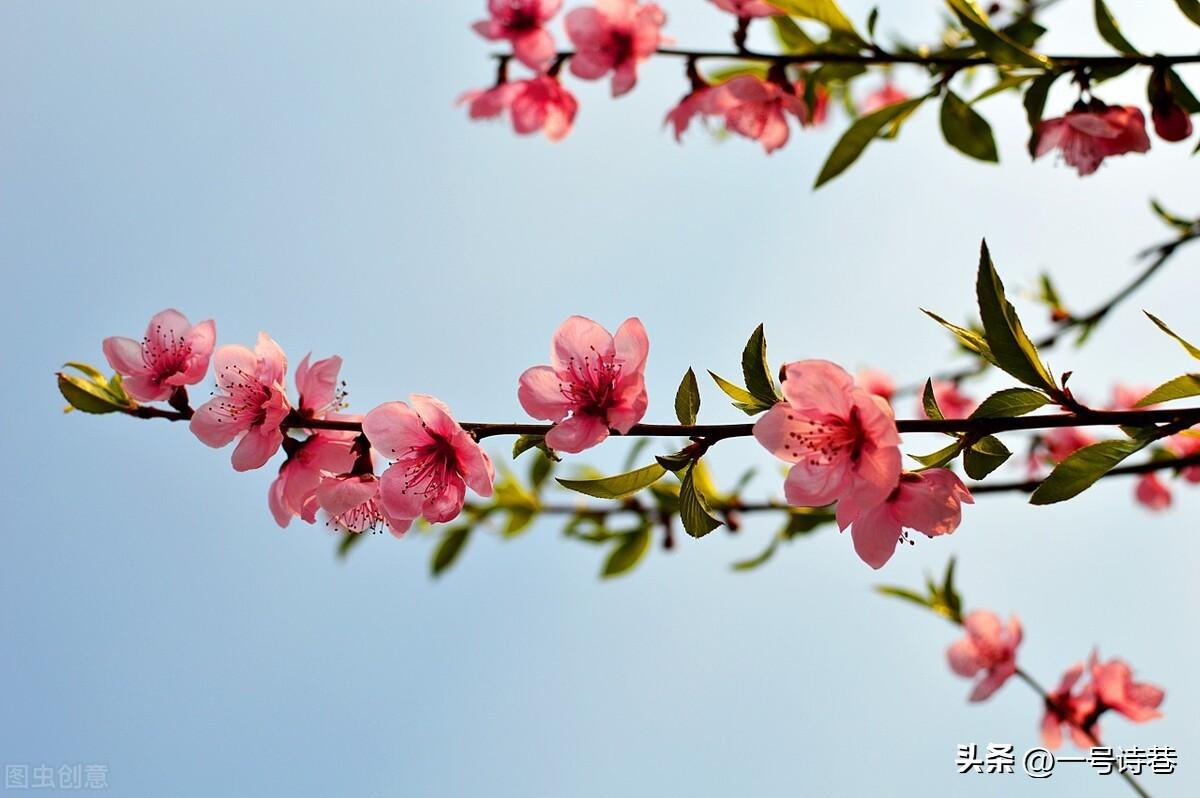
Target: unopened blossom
{"x": 354, "y": 502}
{"x": 929, "y": 502}
{"x": 251, "y": 403}
{"x": 758, "y": 108}
{"x": 434, "y": 460}
{"x": 1092, "y": 132}
{"x": 842, "y": 440}
{"x": 950, "y": 400}
{"x": 1171, "y": 122}
{"x": 522, "y": 22}
{"x": 1152, "y": 493}
{"x": 885, "y": 95}
{"x": 1075, "y": 709}
{"x": 294, "y": 492}
{"x": 614, "y": 36}
{"x": 990, "y": 649}
{"x": 595, "y": 382}
{"x": 747, "y": 9}
{"x": 173, "y": 353}
{"x": 877, "y": 382}
{"x": 1116, "y": 690}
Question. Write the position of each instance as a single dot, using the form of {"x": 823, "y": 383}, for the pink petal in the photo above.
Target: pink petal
{"x": 446, "y": 505}
{"x": 124, "y": 355}
{"x": 256, "y": 448}
{"x": 396, "y": 498}
{"x": 577, "y": 338}
{"x": 201, "y": 338}
{"x": 624, "y": 78}
{"x": 393, "y": 428}
{"x": 318, "y": 384}
{"x": 473, "y": 463}
{"x": 436, "y": 415}
{"x": 281, "y": 512}
{"x": 166, "y": 329}
{"x": 540, "y": 393}
{"x": 964, "y": 658}
{"x": 991, "y": 683}
{"x": 577, "y": 433}
{"x": 212, "y": 427}
{"x": 632, "y": 345}
{"x": 775, "y": 428}
{"x": 876, "y": 534}
{"x": 535, "y": 49}
{"x": 147, "y": 388}
{"x": 338, "y": 495}
{"x": 1051, "y": 732}
{"x": 816, "y": 485}
{"x": 818, "y": 385}
{"x": 272, "y": 364}
{"x": 233, "y": 365}
{"x": 931, "y": 503}
{"x": 875, "y": 475}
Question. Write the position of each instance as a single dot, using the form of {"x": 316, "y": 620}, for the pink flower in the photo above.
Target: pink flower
{"x": 253, "y": 403}
{"x": 757, "y": 108}
{"x": 695, "y": 103}
{"x": 172, "y": 354}
{"x": 615, "y": 36}
{"x": 1090, "y": 133}
{"x": 294, "y": 491}
{"x": 842, "y": 440}
{"x": 1116, "y": 690}
{"x": 595, "y": 382}
{"x": 951, "y": 401}
{"x": 929, "y": 502}
{"x": 1186, "y": 444}
{"x": 989, "y": 647}
{"x": 540, "y": 103}
{"x": 748, "y": 8}
{"x": 1126, "y": 397}
{"x": 435, "y": 460}
{"x": 1074, "y": 709}
{"x": 1062, "y": 442}
{"x": 521, "y": 22}
{"x": 876, "y": 382}
{"x": 887, "y": 94}
{"x": 1152, "y": 493}
{"x": 353, "y": 502}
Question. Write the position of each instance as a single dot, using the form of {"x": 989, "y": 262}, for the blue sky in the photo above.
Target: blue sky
{"x": 300, "y": 168}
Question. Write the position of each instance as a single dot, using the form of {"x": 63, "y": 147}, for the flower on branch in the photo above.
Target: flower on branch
{"x": 434, "y": 460}
{"x": 877, "y": 382}
{"x": 252, "y": 403}
{"x": 758, "y": 108}
{"x": 173, "y": 353}
{"x": 1092, "y": 132}
{"x": 929, "y": 502}
{"x": 595, "y": 382}
{"x": 1116, "y": 690}
{"x": 887, "y": 94}
{"x": 989, "y": 648}
{"x": 1152, "y": 493}
{"x": 1076, "y": 709}
{"x": 614, "y": 36}
{"x": 522, "y": 22}
{"x": 950, "y": 400}
{"x": 540, "y": 103}
{"x": 748, "y": 9}
{"x": 294, "y": 492}
{"x": 353, "y": 503}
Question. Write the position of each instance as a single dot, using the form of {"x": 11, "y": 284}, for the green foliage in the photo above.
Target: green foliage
{"x": 1191, "y": 350}
{"x": 940, "y": 458}
{"x": 687, "y": 399}
{"x": 984, "y": 456}
{"x": 801, "y": 521}
{"x": 1178, "y": 223}
{"x": 1003, "y": 49}
{"x": 1011, "y": 402}
{"x": 628, "y": 552}
{"x": 1080, "y": 470}
{"x": 526, "y": 442}
{"x": 449, "y": 548}
{"x": 970, "y": 340}
{"x": 1182, "y": 387}
{"x": 1190, "y": 9}
{"x": 1035, "y": 105}
{"x": 966, "y": 131}
{"x": 929, "y": 402}
{"x": 618, "y": 486}
{"x": 93, "y": 393}
{"x": 756, "y": 369}
{"x": 1012, "y": 349}
{"x": 942, "y": 598}
{"x": 792, "y": 38}
{"x": 694, "y": 511}
{"x": 1109, "y": 30}
{"x": 826, "y": 12}
{"x": 854, "y": 141}
{"x": 742, "y": 399}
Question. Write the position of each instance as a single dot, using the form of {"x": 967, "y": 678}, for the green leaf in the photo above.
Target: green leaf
{"x": 1035, "y": 106}
{"x": 1191, "y": 350}
{"x": 1182, "y": 387}
{"x": 91, "y": 371}
{"x": 1190, "y": 9}
{"x": 755, "y": 562}
{"x": 1080, "y": 470}
{"x": 539, "y": 470}
{"x": 826, "y": 12}
{"x": 742, "y": 399}
{"x": 903, "y": 593}
{"x": 970, "y": 339}
{"x": 697, "y": 518}
{"x": 674, "y": 462}
{"x": 966, "y": 131}
{"x": 872, "y": 19}
{"x": 1181, "y": 93}
{"x": 449, "y": 547}
{"x": 757, "y": 371}
{"x": 88, "y": 396}
{"x": 626, "y": 554}
{"x": 860, "y": 134}
{"x": 349, "y": 541}
{"x": 616, "y": 487}
{"x": 687, "y": 399}
{"x": 1177, "y": 222}
{"x": 1006, "y": 338}
{"x": 1006, "y": 83}
{"x": 941, "y": 457}
{"x": 792, "y": 37}
{"x": 1110, "y": 32}
{"x": 985, "y": 456}
{"x": 1011, "y": 402}
{"x": 949, "y": 595}
{"x": 1003, "y": 49}
{"x": 527, "y": 442}
{"x": 929, "y": 402}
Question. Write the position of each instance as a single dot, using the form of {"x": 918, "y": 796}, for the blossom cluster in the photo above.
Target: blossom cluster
{"x": 763, "y": 97}
{"x": 988, "y": 653}
{"x": 840, "y": 438}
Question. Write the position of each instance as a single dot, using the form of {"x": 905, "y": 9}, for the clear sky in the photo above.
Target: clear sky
{"x": 300, "y": 168}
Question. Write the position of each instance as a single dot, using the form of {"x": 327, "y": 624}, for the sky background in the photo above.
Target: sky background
{"x": 301, "y": 168}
